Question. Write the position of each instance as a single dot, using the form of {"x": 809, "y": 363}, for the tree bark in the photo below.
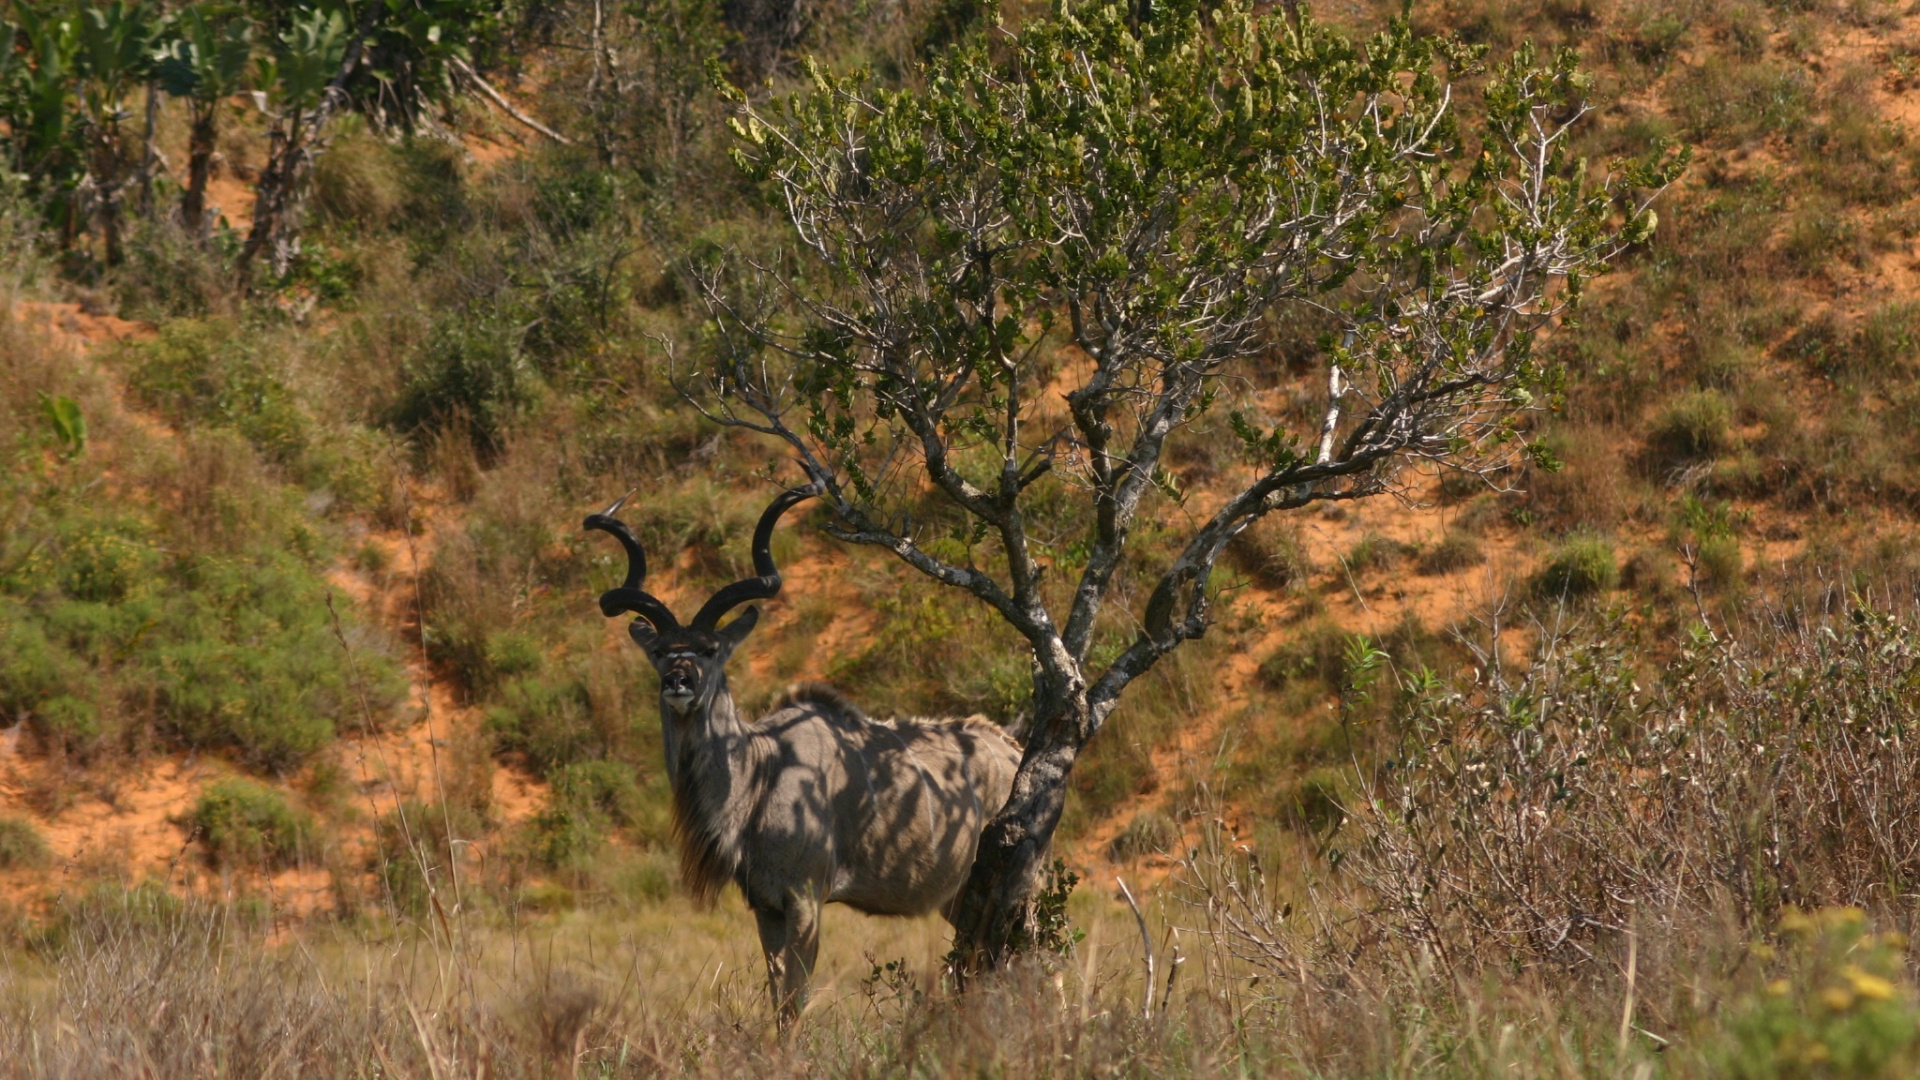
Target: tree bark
{"x": 275, "y": 194}
{"x": 994, "y": 916}
{"x": 193, "y": 202}
{"x": 149, "y": 151}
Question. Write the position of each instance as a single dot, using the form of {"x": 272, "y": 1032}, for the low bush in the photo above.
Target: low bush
{"x": 1533, "y": 817}
{"x": 1838, "y": 1002}
{"x": 1719, "y": 563}
{"x": 112, "y": 636}
{"x": 1272, "y": 554}
{"x": 547, "y": 722}
{"x": 1580, "y": 566}
{"x": 1374, "y": 552}
{"x": 1456, "y": 551}
{"x": 21, "y": 845}
{"x": 1149, "y": 832}
{"x": 564, "y": 838}
{"x": 1317, "y": 654}
{"x": 469, "y": 376}
{"x": 242, "y": 823}
{"x": 1697, "y": 426}
{"x": 608, "y": 788}
{"x": 203, "y": 372}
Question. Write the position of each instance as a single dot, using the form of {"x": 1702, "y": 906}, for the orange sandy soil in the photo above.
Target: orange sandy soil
{"x": 131, "y": 822}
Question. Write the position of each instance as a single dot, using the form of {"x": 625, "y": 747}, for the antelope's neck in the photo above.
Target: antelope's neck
{"x": 715, "y": 776}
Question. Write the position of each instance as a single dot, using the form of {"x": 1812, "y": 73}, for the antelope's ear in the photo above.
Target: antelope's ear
{"x": 642, "y": 632}
{"x": 736, "y": 631}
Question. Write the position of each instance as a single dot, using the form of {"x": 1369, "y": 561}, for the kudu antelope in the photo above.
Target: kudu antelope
{"x": 813, "y": 803}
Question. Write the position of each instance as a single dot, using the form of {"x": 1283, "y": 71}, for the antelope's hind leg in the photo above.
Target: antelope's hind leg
{"x": 790, "y": 938}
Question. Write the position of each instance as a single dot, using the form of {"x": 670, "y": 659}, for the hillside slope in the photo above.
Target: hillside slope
{"x": 465, "y": 359}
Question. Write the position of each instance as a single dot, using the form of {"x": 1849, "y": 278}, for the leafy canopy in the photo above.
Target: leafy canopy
{"x": 1037, "y": 267}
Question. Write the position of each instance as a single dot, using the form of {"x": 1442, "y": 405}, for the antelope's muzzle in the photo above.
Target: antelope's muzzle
{"x": 677, "y": 686}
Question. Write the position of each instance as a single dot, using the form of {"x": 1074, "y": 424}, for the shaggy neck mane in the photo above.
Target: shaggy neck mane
{"x": 714, "y": 784}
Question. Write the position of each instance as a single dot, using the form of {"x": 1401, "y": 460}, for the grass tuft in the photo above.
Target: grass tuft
{"x": 21, "y": 845}
{"x": 1581, "y": 566}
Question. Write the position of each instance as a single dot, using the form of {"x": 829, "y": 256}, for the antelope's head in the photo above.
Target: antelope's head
{"x": 691, "y": 658}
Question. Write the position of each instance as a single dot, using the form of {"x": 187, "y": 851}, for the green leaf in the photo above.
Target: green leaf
{"x": 69, "y": 425}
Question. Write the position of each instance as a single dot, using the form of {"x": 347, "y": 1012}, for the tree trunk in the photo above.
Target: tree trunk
{"x": 110, "y": 182}
{"x": 149, "y": 152}
{"x": 276, "y": 196}
{"x": 110, "y": 220}
{"x": 193, "y": 202}
{"x": 994, "y": 917}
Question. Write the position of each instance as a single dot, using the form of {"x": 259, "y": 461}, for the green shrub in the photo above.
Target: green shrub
{"x": 1581, "y": 566}
{"x": 197, "y": 372}
{"x": 1149, "y": 832}
{"x": 32, "y": 667}
{"x": 21, "y": 845}
{"x": 609, "y": 788}
{"x": 564, "y": 838}
{"x": 1456, "y": 551}
{"x": 1720, "y": 563}
{"x": 1312, "y": 801}
{"x": 72, "y": 722}
{"x": 1648, "y": 571}
{"x": 1697, "y": 426}
{"x": 513, "y": 654}
{"x": 1887, "y": 341}
{"x": 1658, "y": 37}
{"x": 357, "y": 184}
{"x": 646, "y": 880}
{"x": 469, "y": 372}
{"x": 1457, "y": 486}
{"x": 935, "y": 652}
{"x": 167, "y": 275}
{"x": 1818, "y": 237}
{"x": 549, "y": 722}
{"x": 243, "y": 823}
{"x": 1374, "y": 552}
{"x": 1733, "y": 100}
{"x": 1316, "y": 655}
{"x": 101, "y": 562}
{"x": 248, "y": 661}
{"x": 436, "y": 202}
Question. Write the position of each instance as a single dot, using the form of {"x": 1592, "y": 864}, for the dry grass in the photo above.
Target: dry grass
{"x": 139, "y": 983}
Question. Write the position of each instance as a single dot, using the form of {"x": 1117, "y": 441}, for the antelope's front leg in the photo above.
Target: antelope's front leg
{"x": 790, "y": 938}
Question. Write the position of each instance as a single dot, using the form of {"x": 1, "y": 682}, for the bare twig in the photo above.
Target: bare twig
{"x": 499, "y": 101}
{"x": 1146, "y": 945}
